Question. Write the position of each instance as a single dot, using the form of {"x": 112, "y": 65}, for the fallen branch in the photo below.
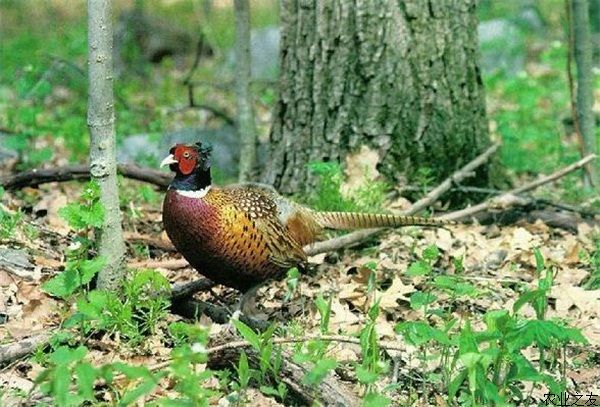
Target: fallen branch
{"x": 179, "y": 291}
{"x": 465, "y": 172}
{"x": 36, "y": 177}
{"x": 332, "y": 392}
{"x": 431, "y": 197}
{"x": 24, "y": 347}
{"x": 505, "y": 198}
{"x": 171, "y": 264}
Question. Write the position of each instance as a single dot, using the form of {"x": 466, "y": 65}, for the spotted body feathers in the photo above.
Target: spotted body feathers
{"x": 245, "y": 234}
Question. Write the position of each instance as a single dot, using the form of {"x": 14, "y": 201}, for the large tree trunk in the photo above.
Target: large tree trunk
{"x": 401, "y": 77}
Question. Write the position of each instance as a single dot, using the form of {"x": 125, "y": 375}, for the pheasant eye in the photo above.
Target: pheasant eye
{"x": 186, "y": 154}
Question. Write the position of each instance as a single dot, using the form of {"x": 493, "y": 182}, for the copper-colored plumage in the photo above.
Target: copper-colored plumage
{"x": 244, "y": 234}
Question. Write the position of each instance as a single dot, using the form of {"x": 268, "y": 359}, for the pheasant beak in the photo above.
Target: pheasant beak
{"x": 170, "y": 159}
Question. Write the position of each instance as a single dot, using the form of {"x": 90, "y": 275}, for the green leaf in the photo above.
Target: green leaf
{"x": 269, "y": 391}
{"x": 247, "y": 333}
{"x": 466, "y": 340}
{"x": 243, "y": 370}
{"x": 418, "y": 268}
{"x": 61, "y": 380}
{"x": 498, "y": 320}
{"x": 86, "y": 375}
{"x": 431, "y": 253}
{"x": 527, "y": 298}
{"x": 539, "y": 261}
{"x": 324, "y": 309}
{"x": 133, "y": 372}
{"x": 64, "y": 355}
{"x": 542, "y": 333}
{"x": 419, "y": 299}
{"x": 365, "y": 375}
{"x": 63, "y": 284}
{"x": 319, "y": 371}
{"x": 418, "y": 333}
{"x": 89, "y": 268}
{"x": 145, "y": 387}
{"x": 456, "y": 382}
{"x": 372, "y": 399}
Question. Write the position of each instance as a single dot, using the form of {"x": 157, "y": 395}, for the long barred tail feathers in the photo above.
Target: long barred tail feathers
{"x": 355, "y": 220}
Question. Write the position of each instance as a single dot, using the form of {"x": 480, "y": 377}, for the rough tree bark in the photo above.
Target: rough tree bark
{"x": 245, "y": 114}
{"x": 585, "y": 87}
{"x": 401, "y": 77}
{"x": 101, "y": 123}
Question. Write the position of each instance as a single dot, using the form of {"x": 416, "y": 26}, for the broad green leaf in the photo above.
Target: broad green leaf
{"x": 145, "y": 387}
{"x": 63, "y": 284}
{"x": 86, "y": 375}
{"x": 89, "y": 268}
{"x": 420, "y": 299}
{"x": 64, "y": 355}
{"x": 365, "y": 375}
{"x": 542, "y": 333}
{"x": 376, "y": 400}
{"x": 418, "y": 268}
{"x": 319, "y": 371}
{"x": 431, "y": 253}
{"x": 247, "y": 333}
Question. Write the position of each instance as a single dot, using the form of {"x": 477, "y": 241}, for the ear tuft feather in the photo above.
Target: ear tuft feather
{"x": 205, "y": 150}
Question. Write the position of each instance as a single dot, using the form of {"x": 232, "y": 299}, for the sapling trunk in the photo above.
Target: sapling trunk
{"x": 245, "y": 113}
{"x": 585, "y": 87}
{"x": 101, "y": 123}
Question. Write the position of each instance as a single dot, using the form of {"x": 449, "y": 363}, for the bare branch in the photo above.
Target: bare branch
{"x": 490, "y": 203}
{"x": 35, "y": 177}
{"x": 433, "y": 195}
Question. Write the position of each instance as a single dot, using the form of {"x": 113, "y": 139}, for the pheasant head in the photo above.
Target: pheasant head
{"x": 191, "y": 165}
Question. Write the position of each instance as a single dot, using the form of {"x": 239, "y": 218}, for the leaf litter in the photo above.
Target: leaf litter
{"x": 498, "y": 260}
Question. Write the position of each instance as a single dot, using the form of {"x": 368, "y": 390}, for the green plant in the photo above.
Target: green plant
{"x": 134, "y": 313}
{"x": 83, "y": 215}
{"x": 487, "y": 367}
{"x": 593, "y": 281}
{"x": 189, "y": 380}
{"x": 327, "y": 194}
{"x": 8, "y": 221}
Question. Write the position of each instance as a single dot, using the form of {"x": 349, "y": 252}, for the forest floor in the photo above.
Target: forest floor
{"x": 498, "y": 265}
{"x": 408, "y": 298}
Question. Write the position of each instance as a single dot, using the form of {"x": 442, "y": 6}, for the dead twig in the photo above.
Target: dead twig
{"x": 215, "y": 111}
{"x": 171, "y": 264}
{"x": 36, "y": 177}
{"x": 150, "y": 241}
{"x": 465, "y": 172}
{"x": 505, "y": 198}
{"x": 433, "y": 195}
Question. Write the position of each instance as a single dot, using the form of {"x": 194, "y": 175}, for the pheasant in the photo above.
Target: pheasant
{"x": 245, "y": 234}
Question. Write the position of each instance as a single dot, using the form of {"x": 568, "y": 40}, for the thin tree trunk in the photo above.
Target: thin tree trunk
{"x": 400, "y": 77}
{"x": 595, "y": 22}
{"x": 245, "y": 113}
{"x": 101, "y": 122}
{"x": 585, "y": 97}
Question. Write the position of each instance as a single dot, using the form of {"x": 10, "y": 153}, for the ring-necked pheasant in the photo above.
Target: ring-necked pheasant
{"x": 242, "y": 235}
